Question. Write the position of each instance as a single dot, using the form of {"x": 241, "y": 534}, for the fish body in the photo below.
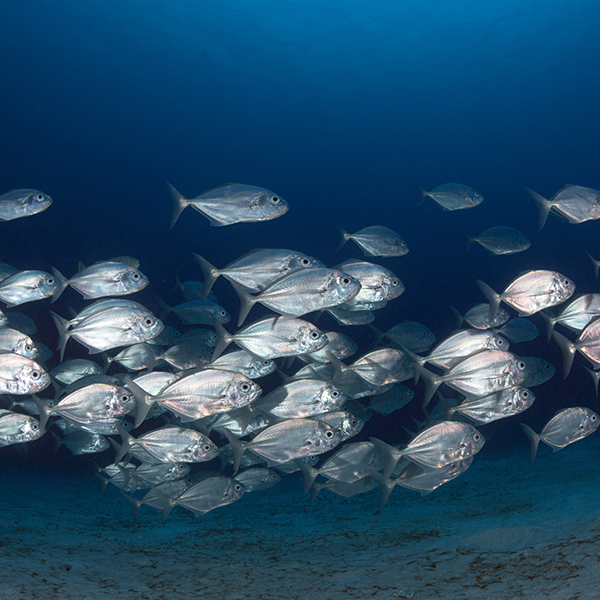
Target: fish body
{"x": 27, "y": 286}
{"x": 22, "y": 203}
{"x": 14, "y": 341}
{"x": 573, "y": 204}
{"x": 240, "y": 361}
{"x": 452, "y": 196}
{"x": 375, "y": 240}
{"x": 518, "y": 330}
{"x": 16, "y": 428}
{"x": 377, "y": 284}
{"x": 232, "y": 203}
{"x": 71, "y": 370}
{"x": 21, "y": 375}
{"x": 500, "y": 240}
{"x": 411, "y": 335}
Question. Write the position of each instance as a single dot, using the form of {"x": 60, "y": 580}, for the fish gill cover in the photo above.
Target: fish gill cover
{"x": 438, "y": 121}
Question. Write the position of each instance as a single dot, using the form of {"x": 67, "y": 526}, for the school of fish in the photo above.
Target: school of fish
{"x": 183, "y": 418}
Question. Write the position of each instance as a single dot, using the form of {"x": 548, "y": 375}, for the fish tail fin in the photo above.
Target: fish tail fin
{"x": 223, "y": 340}
{"x": 449, "y": 410}
{"x": 236, "y": 445}
{"x": 568, "y": 352}
{"x": 594, "y": 375}
{"x": 247, "y": 301}
{"x": 62, "y": 325}
{"x": 211, "y": 274}
{"x": 135, "y": 505}
{"x": 492, "y": 297}
{"x": 165, "y": 309}
{"x": 314, "y": 491}
{"x": 44, "y": 411}
{"x": 310, "y": 474}
{"x": 57, "y": 442}
{"x": 548, "y": 322}
{"x": 179, "y": 203}
{"x": 126, "y": 445}
{"x": 534, "y": 440}
{"x": 143, "y": 400}
{"x": 431, "y": 383}
{"x": 543, "y": 207}
{"x": 167, "y": 502}
{"x": 177, "y": 282}
{"x": 379, "y": 335}
{"x": 458, "y": 318}
{"x": 595, "y": 262}
{"x": 390, "y": 455}
{"x": 343, "y": 237}
{"x": 386, "y": 487}
{"x": 61, "y": 283}
{"x": 422, "y": 193}
{"x": 469, "y": 240}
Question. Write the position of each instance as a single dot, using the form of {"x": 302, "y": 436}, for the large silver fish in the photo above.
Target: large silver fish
{"x": 576, "y": 315}
{"x": 566, "y": 427}
{"x": 257, "y": 269}
{"x": 374, "y": 240}
{"x": 500, "y": 240}
{"x": 231, "y": 203}
{"x": 573, "y": 203}
{"x": 16, "y": 428}
{"x": 530, "y": 292}
{"x": 22, "y": 203}
{"x": 27, "y": 286}
{"x": 20, "y": 375}
{"x": 301, "y": 292}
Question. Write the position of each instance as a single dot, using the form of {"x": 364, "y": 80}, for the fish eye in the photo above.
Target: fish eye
{"x": 305, "y": 262}
{"x": 476, "y": 194}
{"x": 50, "y": 281}
{"x": 136, "y": 276}
{"x": 500, "y": 342}
{"x": 335, "y": 393}
{"x": 245, "y": 387}
{"x": 394, "y": 282}
{"x": 403, "y": 244}
{"x": 593, "y": 418}
{"x": 266, "y": 363}
{"x": 346, "y": 281}
{"x": 567, "y": 282}
{"x": 273, "y": 477}
{"x": 222, "y": 313}
{"x": 275, "y": 200}
{"x": 547, "y": 366}
{"x": 238, "y": 487}
{"x": 206, "y": 447}
{"x": 124, "y": 398}
{"x": 148, "y": 321}
{"x": 521, "y": 365}
{"x": 314, "y": 335}
{"x": 329, "y": 434}
{"x": 39, "y": 197}
{"x": 29, "y": 347}
{"x": 476, "y": 437}
{"x": 35, "y": 427}
{"x": 525, "y": 394}
{"x": 35, "y": 374}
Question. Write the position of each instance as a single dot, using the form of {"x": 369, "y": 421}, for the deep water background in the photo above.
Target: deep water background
{"x": 335, "y": 106}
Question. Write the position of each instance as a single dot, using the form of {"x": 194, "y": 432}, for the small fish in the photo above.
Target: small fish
{"x": 197, "y": 312}
{"x": 14, "y": 341}
{"x": 394, "y": 399}
{"x": 82, "y": 442}
{"x": 240, "y": 361}
{"x": 567, "y": 426}
{"x": 6, "y": 271}
{"x": 3, "y": 320}
{"x": 411, "y": 335}
{"x": 537, "y": 371}
{"x": 573, "y": 203}
{"x": 339, "y": 344}
{"x": 21, "y": 322}
{"x": 425, "y": 480}
{"x": 16, "y": 428}
{"x": 135, "y": 358}
{"x": 22, "y": 203}
{"x": 479, "y": 317}
{"x": 21, "y": 376}
{"x": 519, "y": 330}
{"x": 27, "y": 286}
{"x": 74, "y": 369}
{"x": 193, "y": 290}
{"x": 44, "y": 353}
{"x": 344, "y": 316}
{"x": 102, "y": 279}
{"x": 500, "y": 240}
{"x": 451, "y": 196}
{"x": 531, "y": 292}
{"x": 575, "y": 316}
{"x": 258, "y": 479}
{"x": 231, "y": 203}
{"x": 375, "y": 240}
{"x": 187, "y": 354}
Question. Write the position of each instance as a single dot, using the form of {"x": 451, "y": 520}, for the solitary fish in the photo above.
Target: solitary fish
{"x": 500, "y": 240}
{"x": 530, "y": 292}
{"x": 452, "y": 196}
{"x": 566, "y": 427}
{"x": 22, "y": 203}
{"x": 231, "y": 203}
{"x": 375, "y": 240}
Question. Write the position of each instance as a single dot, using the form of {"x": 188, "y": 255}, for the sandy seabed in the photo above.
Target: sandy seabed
{"x": 502, "y": 530}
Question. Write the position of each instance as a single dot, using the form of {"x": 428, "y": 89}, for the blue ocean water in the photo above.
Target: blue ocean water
{"x": 336, "y": 106}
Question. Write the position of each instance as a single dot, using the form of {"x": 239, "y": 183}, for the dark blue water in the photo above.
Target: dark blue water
{"x": 335, "y": 107}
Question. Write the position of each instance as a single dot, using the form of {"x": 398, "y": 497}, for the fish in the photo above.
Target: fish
{"x": 478, "y": 317}
{"x": 500, "y": 240}
{"x": 109, "y": 328}
{"x": 344, "y": 316}
{"x": 188, "y": 354}
{"x": 379, "y": 367}
{"x": 587, "y": 342}
{"x": 339, "y": 344}
{"x": 102, "y": 279}
{"x": 197, "y": 312}
{"x": 231, "y": 203}
{"x": 575, "y": 316}
{"x": 240, "y": 361}
{"x": 73, "y": 369}
{"x": 3, "y": 320}
{"x": 20, "y": 322}
{"x": 23, "y": 203}
{"x": 374, "y": 240}
{"x": 6, "y": 270}
{"x": 518, "y": 330}
{"x": 14, "y": 341}
{"x": 194, "y": 290}
{"x": 394, "y": 399}
{"x": 135, "y": 358}
{"x": 21, "y": 376}
{"x": 16, "y": 428}
{"x": 413, "y": 336}
{"x": 531, "y": 292}
{"x": 425, "y": 480}
{"x": 27, "y": 286}
{"x": 257, "y": 269}
{"x": 301, "y": 292}
{"x": 258, "y": 479}
{"x": 451, "y": 196}
{"x": 82, "y": 442}
{"x": 537, "y": 371}
{"x": 567, "y": 426}
{"x": 573, "y": 204}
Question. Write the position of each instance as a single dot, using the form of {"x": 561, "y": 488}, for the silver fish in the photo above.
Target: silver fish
{"x": 6, "y": 270}
{"x": 566, "y": 427}
{"x": 595, "y": 263}
{"x": 374, "y": 240}
{"x": 425, "y": 479}
{"x": 381, "y": 367}
{"x": 274, "y": 337}
{"x": 102, "y": 279}
{"x": 339, "y": 344}
{"x": 207, "y": 336}
{"x": 500, "y": 240}
{"x": 344, "y": 316}
{"x": 258, "y": 479}
{"x": 573, "y": 203}
{"x": 14, "y": 341}
{"x": 135, "y": 358}
{"x": 107, "y": 329}
{"x": 394, "y": 399}
{"x": 537, "y": 371}
{"x": 587, "y": 342}
{"x": 74, "y": 369}
{"x": 27, "y": 286}
{"x": 21, "y": 322}
{"x": 22, "y": 203}
{"x": 519, "y": 330}
{"x": 531, "y": 292}
{"x": 197, "y": 312}
{"x": 257, "y": 269}
{"x": 194, "y": 290}
{"x": 16, "y": 428}
{"x": 345, "y": 421}
{"x": 479, "y": 317}
{"x": 189, "y": 354}
{"x": 232, "y": 203}
{"x": 411, "y": 335}
{"x": 83, "y": 442}
{"x": 301, "y": 292}
{"x": 575, "y": 316}
{"x": 451, "y": 196}
{"x": 240, "y": 361}
{"x": 3, "y": 320}
{"x": 20, "y": 375}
